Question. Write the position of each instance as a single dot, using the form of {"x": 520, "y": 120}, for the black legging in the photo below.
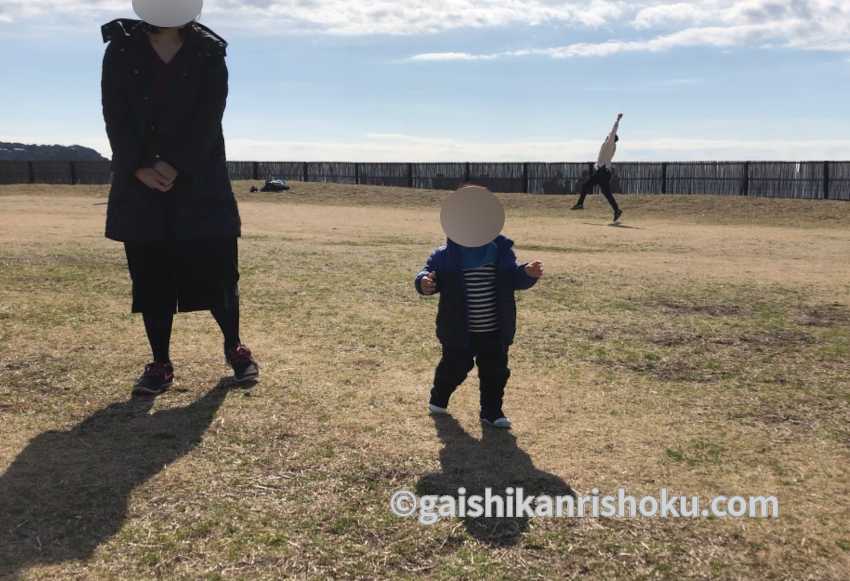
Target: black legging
{"x": 158, "y": 326}
{"x": 602, "y": 178}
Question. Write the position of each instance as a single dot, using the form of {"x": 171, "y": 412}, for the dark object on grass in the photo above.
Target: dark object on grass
{"x": 274, "y": 185}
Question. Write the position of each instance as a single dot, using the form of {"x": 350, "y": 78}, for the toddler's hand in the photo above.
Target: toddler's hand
{"x": 534, "y": 269}
{"x": 429, "y": 283}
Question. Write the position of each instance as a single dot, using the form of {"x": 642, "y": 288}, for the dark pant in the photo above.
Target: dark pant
{"x": 170, "y": 276}
{"x": 491, "y": 355}
{"x": 602, "y": 178}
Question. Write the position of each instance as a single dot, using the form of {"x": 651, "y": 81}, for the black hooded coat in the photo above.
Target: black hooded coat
{"x": 186, "y": 134}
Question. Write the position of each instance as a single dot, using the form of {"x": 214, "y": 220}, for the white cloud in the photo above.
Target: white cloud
{"x": 662, "y": 25}
{"x": 708, "y": 36}
{"x": 801, "y": 24}
{"x": 670, "y": 14}
{"x": 452, "y": 56}
{"x": 343, "y": 17}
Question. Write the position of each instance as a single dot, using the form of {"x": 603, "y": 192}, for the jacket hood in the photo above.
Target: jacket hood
{"x": 125, "y": 29}
{"x": 119, "y": 29}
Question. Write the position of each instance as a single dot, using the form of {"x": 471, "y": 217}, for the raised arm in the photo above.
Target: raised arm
{"x": 616, "y": 127}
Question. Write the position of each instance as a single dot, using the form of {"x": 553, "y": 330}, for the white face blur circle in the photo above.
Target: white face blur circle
{"x": 472, "y": 216}
{"x": 168, "y": 13}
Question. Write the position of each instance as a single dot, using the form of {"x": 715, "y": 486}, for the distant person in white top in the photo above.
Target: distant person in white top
{"x": 601, "y": 175}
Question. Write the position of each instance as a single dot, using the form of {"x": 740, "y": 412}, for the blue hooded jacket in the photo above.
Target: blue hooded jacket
{"x": 446, "y": 261}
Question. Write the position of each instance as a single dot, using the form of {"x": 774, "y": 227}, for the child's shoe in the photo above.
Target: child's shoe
{"x": 496, "y": 421}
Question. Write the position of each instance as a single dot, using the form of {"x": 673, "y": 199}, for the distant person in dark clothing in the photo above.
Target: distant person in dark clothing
{"x": 601, "y": 175}
{"x": 171, "y": 202}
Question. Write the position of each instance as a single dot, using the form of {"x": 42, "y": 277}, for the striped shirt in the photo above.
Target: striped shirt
{"x": 481, "y": 298}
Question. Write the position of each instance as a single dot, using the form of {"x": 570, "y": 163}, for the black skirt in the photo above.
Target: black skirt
{"x": 182, "y": 275}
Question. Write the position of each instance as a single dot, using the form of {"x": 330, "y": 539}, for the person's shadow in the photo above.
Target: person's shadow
{"x": 67, "y": 491}
{"x": 494, "y": 462}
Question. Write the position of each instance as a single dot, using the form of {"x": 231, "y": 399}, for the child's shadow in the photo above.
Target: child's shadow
{"x": 494, "y": 462}
{"x": 67, "y": 491}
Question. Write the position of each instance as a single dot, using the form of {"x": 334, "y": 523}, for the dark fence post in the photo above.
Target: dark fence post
{"x": 306, "y": 173}
{"x": 466, "y": 173}
{"x": 745, "y": 187}
{"x": 410, "y": 175}
{"x": 525, "y": 186}
{"x": 72, "y": 170}
{"x": 357, "y": 174}
{"x": 255, "y": 170}
{"x": 664, "y": 177}
{"x": 826, "y": 180}
{"x": 30, "y": 172}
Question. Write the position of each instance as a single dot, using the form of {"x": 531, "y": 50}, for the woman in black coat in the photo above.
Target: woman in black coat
{"x": 171, "y": 202}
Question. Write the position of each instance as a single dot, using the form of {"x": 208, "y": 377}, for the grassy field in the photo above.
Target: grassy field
{"x": 703, "y": 347}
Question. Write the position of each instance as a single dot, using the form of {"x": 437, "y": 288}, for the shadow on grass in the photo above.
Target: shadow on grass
{"x": 67, "y": 491}
{"x": 496, "y": 462}
{"x": 614, "y": 225}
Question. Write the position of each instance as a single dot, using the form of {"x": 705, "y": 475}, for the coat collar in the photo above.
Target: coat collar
{"x": 502, "y": 243}
{"x": 126, "y": 30}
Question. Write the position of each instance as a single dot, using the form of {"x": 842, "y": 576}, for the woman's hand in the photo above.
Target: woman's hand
{"x": 153, "y": 179}
{"x": 166, "y": 170}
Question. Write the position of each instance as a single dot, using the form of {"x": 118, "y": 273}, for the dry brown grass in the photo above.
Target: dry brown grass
{"x": 703, "y": 348}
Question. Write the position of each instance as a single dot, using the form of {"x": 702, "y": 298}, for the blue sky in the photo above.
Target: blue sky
{"x": 457, "y": 80}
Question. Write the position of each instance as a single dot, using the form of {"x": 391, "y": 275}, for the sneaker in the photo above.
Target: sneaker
{"x": 156, "y": 379}
{"x": 245, "y": 369}
{"x": 436, "y": 410}
{"x": 617, "y": 214}
{"x": 500, "y": 421}
{"x": 577, "y": 207}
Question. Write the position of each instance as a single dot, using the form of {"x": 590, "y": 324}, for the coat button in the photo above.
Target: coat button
{"x": 136, "y": 72}
{"x": 146, "y": 98}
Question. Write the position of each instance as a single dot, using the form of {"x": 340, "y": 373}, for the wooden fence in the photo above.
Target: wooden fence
{"x": 816, "y": 180}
